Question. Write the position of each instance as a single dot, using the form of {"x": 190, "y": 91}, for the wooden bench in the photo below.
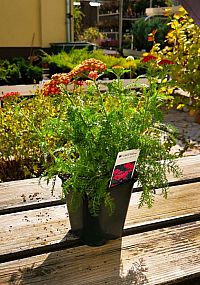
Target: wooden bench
{"x": 160, "y": 245}
{"x": 30, "y": 89}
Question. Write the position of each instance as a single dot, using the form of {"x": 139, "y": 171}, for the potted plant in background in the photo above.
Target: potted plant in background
{"x": 91, "y": 126}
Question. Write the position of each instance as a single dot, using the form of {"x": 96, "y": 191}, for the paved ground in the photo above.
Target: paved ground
{"x": 189, "y": 131}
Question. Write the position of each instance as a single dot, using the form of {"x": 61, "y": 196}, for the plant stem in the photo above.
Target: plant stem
{"x": 81, "y": 117}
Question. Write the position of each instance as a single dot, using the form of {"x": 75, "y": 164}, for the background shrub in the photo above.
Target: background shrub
{"x": 183, "y": 48}
{"x": 64, "y": 62}
{"x": 19, "y": 71}
{"x": 143, "y": 27}
{"x": 20, "y": 152}
{"x": 9, "y": 73}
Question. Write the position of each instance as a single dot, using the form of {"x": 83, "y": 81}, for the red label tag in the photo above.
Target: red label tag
{"x": 124, "y": 167}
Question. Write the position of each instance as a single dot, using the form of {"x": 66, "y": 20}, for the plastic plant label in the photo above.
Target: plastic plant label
{"x": 124, "y": 167}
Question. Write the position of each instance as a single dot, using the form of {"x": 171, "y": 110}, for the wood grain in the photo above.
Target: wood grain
{"x": 31, "y": 229}
{"x": 29, "y": 191}
{"x": 157, "y": 257}
{"x": 182, "y": 199}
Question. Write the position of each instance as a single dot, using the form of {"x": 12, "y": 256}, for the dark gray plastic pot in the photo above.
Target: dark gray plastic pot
{"x": 96, "y": 230}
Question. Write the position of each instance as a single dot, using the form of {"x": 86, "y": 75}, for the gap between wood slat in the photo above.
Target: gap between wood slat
{"x": 39, "y": 205}
{"x": 39, "y": 195}
{"x": 167, "y": 223}
{"x": 159, "y": 257}
{"x": 32, "y": 206}
{"x": 31, "y": 191}
{"x": 40, "y": 227}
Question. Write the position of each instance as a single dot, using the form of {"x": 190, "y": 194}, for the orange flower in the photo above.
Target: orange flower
{"x": 150, "y": 39}
{"x": 89, "y": 67}
{"x": 117, "y": 67}
{"x": 93, "y": 75}
{"x": 51, "y": 88}
{"x": 154, "y": 31}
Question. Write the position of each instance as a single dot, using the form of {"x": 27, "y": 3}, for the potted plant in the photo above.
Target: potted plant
{"x": 92, "y": 125}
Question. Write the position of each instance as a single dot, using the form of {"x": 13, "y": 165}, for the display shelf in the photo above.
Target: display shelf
{"x": 109, "y": 20}
{"x": 109, "y": 14}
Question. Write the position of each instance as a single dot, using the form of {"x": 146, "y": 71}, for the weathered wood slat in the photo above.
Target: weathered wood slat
{"x": 31, "y": 229}
{"x": 29, "y": 192}
{"x": 190, "y": 167}
{"x": 24, "y": 90}
{"x": 182, "y": 199}
{"x": 156, "y": 257}
{"x": 48, "y": 226}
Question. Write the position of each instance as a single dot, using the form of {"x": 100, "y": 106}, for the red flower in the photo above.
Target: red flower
{"x": 79, "y": 82}
{"x": 165, "y": 61}
{"x": 11, "y": 94}
{"x": 148, "y": 58}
